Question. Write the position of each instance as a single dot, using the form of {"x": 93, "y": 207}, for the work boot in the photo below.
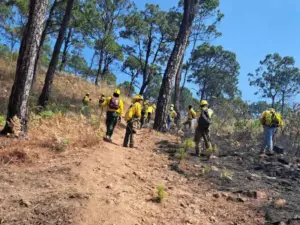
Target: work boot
{"x": 197, "y": 151}
{"x": 270, "y": 153}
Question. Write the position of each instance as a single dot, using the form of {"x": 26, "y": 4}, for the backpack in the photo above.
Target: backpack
{"x": 276, "y": 118}
{"x": 86, "y": 99}
{"x": 114, "y": 103}
{"x": 204, "y": 120}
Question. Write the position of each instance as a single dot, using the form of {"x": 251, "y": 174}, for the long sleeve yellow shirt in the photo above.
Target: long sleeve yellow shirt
{"x": 106, "y": 104}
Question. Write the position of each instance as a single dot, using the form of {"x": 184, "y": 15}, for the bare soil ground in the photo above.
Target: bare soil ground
{"x": 273, "y": 180}
{"x": 109, "y": 184}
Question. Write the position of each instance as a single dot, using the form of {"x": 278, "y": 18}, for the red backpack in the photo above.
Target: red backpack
{"x": 114, "y": 103}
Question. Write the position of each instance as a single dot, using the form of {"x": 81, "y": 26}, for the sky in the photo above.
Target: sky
{"x": 253, "y": 29}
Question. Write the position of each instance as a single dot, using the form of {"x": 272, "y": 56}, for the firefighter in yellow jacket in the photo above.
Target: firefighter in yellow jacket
{"x": 271, "y": 120}
{"x": 114, "y": 112}
{"x": 86, "y": 99}
{"x": 132, "y": 118}
{"x": 191, "y": 116}
{"x": 101, "y": 99}
{"x": 150, "y": 111}
{"x": 202, "y": 129}
{"x": 171, "y": 116}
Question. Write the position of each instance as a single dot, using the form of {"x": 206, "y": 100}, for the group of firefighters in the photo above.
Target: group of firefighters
{"x": 140, "y": 112}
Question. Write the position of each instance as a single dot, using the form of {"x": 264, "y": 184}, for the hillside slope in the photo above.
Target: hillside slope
{"x": 64, "y": 173}
{"x": 107, "y": 184}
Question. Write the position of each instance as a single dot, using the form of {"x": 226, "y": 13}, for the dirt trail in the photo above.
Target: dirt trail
{"x": 109, "y": 184}
{"x": 122, "y": 183}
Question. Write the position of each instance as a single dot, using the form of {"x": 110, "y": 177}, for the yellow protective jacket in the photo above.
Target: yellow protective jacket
{"x": 191, "y": 114}
{"x": 172, "y": 114}
{"x": 106, "y": 104}
{"x": 209, "y": 111}
{"x": 271, "y": 118}
{"x": 135, "y": 111}
{"x": 150, "y": 109}
{"x": 86, "y": 99}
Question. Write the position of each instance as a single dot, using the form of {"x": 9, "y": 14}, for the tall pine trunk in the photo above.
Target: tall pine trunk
{"x": 99, "y": 68}
{"x": 177, "y": 92}
{"x": 64, "y": 57}
{"x": 282, "y": 102}
{"x": 43, "y": 37}
{"x": 44, "y": 97}
{"x": 190, "y": 9}
{"x": 28, "y": 53}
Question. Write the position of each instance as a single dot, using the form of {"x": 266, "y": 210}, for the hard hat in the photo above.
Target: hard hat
{"x": 87, "y": 94}
{"x": 117, "y": 91}
{"x": 271, "y": 110}
{"x": 203, "y": 103}
{"x": 138, "y": 97}
{"x": 172, "y": 105}
{"x": 102, "y": 94}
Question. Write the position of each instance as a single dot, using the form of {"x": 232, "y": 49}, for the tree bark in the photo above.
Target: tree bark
{"x": 146, "y": 80}
{"x": 43, "y": 37}
{"x": 282, "y": 102}
{"x": 18, "y": 101}
{"x": 99, "y": 68}
{"x": 44, "y": 97}
{"x": 202, "y": 95}
{"x": 190, "y": 9}
{"x": 273, "y": 101}
{"x": 143, "y": 87}
{"x": 64, "y": 57}
{"x": 177, "y": 92}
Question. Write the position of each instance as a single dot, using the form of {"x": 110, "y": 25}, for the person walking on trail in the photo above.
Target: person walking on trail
{"x": 171, "y": 116}
{"x": 101, "y": 99}
{"x": 144, "y": 111}
{"x": 150, "y": 111}
{"x": 271, "y": 120}
{"x": 114, "y": 112}
{"x": 86, "y": 99}
{"x": 191, "y": 116}
{"x": 202, "y": 129}
{"x": 132, "y": 117}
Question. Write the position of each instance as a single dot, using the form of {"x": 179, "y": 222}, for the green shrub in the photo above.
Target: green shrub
{"x": 188, "y": 143}
{"x": 180, "y": 154}
{"x": 227, "y": 174}
{"x": 2, "y": 121}
{"x": 46, "y": 114}
{"x": 161, "y": 194}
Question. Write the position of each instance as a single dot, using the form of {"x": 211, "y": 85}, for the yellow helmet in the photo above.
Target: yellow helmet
{"x": 272, "y": 110}
{"x": 138, "y": 97}
{"x": 117, "y": 91}
{"x": 172, "y": 105}
{"x": 203, "y": 103}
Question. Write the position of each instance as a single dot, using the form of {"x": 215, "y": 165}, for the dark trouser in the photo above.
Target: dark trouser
{"x": 202, "y": 133}
{"x": 142, "y": 120}
{"x": 149, "y": 117}
{"x": 111, "y": 122}
{"x": 129, "y": 135}
{"x": 188, "y": 122}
